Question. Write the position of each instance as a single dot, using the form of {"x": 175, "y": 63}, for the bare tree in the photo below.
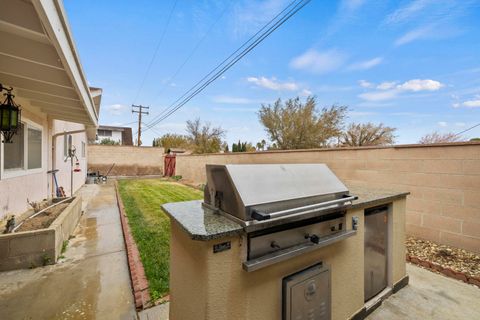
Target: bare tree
{"x": 204, "y": 138}
{"x": 436, "y": 137}
{"x": 172, "y": 140}
{"x": 368, "y": 134}
{"x": 297, "y": 125}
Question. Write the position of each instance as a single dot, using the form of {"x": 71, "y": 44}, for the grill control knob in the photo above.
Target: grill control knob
{"x": 274, "y": 245}
{"x": 312, "y": 237}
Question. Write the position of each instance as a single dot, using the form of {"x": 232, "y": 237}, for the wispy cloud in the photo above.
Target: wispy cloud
{"x": 305, "y": 93}
{"x": 365, "y": 84}
{"x": 472, "y": 103}
{"x": 424, "y": 32}
{"x": 386, "y": 85}
{"x": 250, "y": 15}
{"x": 365, "y": 65}
{"x": 416, "y": 85}
{"x": 430, "y": 19}
{"x": 346, "y": 13}
{"x": 390, "y": 90}
{"x": 319, "y": 62}
{"x": 116, "y": 109}
{"x": 351, "y": 5}
{"x": 378, "y": 95}
{"x": 273, "y": 84}
{"x": 408, "y": 11}
{"x": 442, "y": 123}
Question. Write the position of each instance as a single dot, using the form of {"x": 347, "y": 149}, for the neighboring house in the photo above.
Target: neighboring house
{"x": 39, "y": 60}
{"x": 121, "y": 135}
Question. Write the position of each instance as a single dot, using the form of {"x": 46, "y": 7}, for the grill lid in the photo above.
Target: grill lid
{"x": 266, "y": 183}
{"x": 244, "y": 190}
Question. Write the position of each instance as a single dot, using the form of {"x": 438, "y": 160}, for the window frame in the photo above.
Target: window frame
{"x": 13, "y": 173}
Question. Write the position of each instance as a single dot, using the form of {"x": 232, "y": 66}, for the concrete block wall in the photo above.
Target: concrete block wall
{"x": 444, "y": 181}
{"x": 128, "y": 160}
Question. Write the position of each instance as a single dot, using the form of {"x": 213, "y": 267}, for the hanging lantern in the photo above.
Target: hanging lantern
{"x": 77, "y": 167}
{"x": 10, "y": 115}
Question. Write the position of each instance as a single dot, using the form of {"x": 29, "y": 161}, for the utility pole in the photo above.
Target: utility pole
{"x": 140, "y": 112}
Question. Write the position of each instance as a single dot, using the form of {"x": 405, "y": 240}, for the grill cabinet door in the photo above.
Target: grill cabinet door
{"x": 375, "y": 251}
{"x": 306, "y": 295}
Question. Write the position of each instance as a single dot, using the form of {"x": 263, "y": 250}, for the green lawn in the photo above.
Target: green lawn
{"x": 151, "y": 226}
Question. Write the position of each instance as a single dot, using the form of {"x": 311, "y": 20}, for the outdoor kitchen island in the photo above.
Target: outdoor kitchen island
{"x": 345, "y": 256}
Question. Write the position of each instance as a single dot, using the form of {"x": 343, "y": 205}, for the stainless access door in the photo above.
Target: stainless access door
{"x": 307, "y": 294}
{"x": 375, "y": 251}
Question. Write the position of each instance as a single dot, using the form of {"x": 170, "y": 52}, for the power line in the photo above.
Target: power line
{"x": 201, "y": 86}
{"x": 224, "y": 61}
{"x": 155, "y": 52}
{"x": 174, "y": 106}
{"x": 461, "y": 132}
{"x": 194, "y": 49}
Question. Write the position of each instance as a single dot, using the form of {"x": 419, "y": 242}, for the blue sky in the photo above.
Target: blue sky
{"x": 413, "y": 65}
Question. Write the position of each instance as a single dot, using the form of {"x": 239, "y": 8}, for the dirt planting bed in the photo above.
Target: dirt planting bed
{"x": 43, "y": 220}
{"x": 452, "y": 262}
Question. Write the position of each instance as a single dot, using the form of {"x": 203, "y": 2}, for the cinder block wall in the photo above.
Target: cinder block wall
{"x": 444, "y": 181}
{"x": 126, "y": 160}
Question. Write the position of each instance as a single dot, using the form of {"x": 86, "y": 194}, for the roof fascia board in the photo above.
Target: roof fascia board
{"x": 53, "y": 18}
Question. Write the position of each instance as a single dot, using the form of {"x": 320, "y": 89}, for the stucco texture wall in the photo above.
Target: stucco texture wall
{"x": 126, "y": 160}
{"x": 35, "y": 185}
{"x": 444, "y": 181}
{"x": 64, "y": 165}
{"x": 16, "y": 186}
{"x": 207, "y": 285}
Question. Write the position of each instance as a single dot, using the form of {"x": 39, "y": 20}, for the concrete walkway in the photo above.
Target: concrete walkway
{"x": 431, "y": 296}
{"x": 91, "y": 282}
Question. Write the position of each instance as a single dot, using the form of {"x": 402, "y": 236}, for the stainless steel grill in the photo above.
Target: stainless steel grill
{"x": 286, "y": 209}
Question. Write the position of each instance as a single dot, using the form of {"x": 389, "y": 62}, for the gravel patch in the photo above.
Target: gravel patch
{"x": 459, "y": 260}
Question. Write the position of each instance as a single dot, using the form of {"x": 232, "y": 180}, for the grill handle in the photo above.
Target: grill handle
{"x": 259, "y": 216}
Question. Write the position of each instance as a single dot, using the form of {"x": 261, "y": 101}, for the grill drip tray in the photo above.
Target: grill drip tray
{"x": 285, "y": 254}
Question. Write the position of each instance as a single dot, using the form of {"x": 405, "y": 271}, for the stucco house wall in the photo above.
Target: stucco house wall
{"x": 63, "y": 164}
{"x": 18, "y": 185}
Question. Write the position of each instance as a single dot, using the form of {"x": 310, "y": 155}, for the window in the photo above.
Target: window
{"x": 104, "y": 133}
{"x": 34, "y": 143}
{"x": 14, "y": 152}
{"x": 25, "y": 151}
{"x": 67, "y": 145}
{"x": 83, "y": 149}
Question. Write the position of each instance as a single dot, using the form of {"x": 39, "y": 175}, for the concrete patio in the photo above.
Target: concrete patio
{"x": 430, "y": 296}
{"x": 92, "y": 280}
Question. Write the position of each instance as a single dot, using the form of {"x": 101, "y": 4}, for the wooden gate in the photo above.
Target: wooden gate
{"x": 169, "y": 165}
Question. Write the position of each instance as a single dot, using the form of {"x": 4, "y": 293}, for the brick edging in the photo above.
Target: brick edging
{"x": 445, "y": 271}
{"x": 140, "y": 288}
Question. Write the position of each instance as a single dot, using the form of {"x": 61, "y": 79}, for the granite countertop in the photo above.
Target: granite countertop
{"x": 370, "y": 197}
{"x": 203, "y": 224}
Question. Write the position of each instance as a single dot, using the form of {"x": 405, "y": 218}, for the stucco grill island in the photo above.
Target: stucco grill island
{"x": 284, "y": 241}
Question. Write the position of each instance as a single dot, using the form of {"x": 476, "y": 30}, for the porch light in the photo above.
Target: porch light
{"x": 10, "y": 115}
